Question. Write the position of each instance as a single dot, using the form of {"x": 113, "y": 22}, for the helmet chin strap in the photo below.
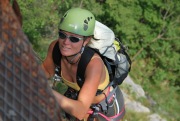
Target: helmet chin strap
{"x": 75, "y": 56}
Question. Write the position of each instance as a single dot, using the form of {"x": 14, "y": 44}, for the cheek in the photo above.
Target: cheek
{"x": 60, "y": 42}
{"x": 76, "y": 46}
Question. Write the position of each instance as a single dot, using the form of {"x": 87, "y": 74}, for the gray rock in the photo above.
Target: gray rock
{"x": 155, "y": 117}
{"x": 137, "y": 107}
{"x": 137, "y": 89}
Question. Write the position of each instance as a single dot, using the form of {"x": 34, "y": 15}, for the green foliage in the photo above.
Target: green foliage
{"x": 134, "y": 116}
{"x": 150, "y": 29}
{"x": 39, "y": 19}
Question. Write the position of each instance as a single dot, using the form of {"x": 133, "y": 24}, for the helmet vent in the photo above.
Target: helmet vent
{"x": 86, "y": 22}
{"x": 65, "y": 15}
{"x": 85, "y": 27}
{"x": 78, "y": 21}
{"x": 62, "y": 19}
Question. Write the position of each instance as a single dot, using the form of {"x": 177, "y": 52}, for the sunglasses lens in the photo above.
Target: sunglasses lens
{"x": 71, "y": 38}
{"x": 74, "y": 39}
{"x": 62, "y": 35}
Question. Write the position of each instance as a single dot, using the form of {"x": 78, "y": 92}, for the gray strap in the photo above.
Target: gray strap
{"x": 104, "y": 102}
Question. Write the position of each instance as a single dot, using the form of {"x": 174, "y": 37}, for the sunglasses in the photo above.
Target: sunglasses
{"x": 73, "y": 39}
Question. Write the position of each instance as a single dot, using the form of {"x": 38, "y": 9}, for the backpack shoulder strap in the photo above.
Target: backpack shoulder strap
{"x": 56, "y": 55}
{"x": 83, "y": 62}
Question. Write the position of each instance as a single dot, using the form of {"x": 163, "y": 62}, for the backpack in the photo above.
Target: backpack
{"x": 110, "y": 49}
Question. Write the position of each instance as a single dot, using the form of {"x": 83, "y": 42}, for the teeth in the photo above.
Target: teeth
{"x": 64, "y": 47}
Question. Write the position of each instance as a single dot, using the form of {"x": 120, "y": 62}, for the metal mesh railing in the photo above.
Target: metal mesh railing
{"x": 24, "y": 91}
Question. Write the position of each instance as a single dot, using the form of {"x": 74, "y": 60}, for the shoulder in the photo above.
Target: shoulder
{"x": 93, "y": 57}
{"x": 50, "y": 51}
{"x": 90, "y": 58}
{"x": 51, "y": 46}
{"x": 95, "y": 63}
{"x": 94, "y": 71}
{"x": 96, "y": 56}
{"x": 96, "y": 59}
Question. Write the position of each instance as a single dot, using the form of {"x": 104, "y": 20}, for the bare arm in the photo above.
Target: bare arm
{"x": 48, "y": 64}
{"x": 80, "y": 107}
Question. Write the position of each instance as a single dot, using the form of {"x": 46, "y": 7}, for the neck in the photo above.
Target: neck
{"x": 73, "y": 59}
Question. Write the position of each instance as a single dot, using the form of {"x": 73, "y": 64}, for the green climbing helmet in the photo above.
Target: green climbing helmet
{"x": 78, "y": 21}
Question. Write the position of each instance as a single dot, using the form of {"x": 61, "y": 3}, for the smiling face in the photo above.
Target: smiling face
{"x": 68, "y": 43}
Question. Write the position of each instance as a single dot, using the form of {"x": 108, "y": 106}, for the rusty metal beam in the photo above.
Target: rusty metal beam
{"x": 24, "y": 91}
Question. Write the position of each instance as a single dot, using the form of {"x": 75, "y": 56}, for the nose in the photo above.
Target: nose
{"x": 66, "y": 41}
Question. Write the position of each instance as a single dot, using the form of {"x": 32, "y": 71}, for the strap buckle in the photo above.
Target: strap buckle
{"x": 96, "y": 109}
{"x": 56, "y": 77}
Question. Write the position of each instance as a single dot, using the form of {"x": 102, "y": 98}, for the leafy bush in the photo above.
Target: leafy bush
{"x": 150, "y": 29}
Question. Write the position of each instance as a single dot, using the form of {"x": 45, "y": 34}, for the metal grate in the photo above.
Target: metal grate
{"x": 24, "y": 91}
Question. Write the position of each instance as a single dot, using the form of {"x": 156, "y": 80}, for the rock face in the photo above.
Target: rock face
{"x": 137, "y": 107}
{"x": 24, "y": 90}
{"x": 137, "y": 89}
{"x": 133, "y": 105}
{"x": 138, "y": 92}
{"x": 155, "y": 117}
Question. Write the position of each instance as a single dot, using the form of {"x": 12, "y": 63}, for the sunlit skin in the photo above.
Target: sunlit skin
{"x": 69, "y": 48}
{"x": 94, "y": 75}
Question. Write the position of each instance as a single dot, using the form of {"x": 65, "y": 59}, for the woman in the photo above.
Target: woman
{"x": 75, "y": 31}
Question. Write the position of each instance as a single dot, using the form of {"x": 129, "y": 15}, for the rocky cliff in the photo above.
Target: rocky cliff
{"x": 132, "y": 93}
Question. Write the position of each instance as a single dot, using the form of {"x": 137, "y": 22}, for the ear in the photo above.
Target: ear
{"x": 86, "y": 41}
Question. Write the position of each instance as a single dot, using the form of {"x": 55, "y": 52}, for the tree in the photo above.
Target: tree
{"x": 150, "y": 29}
{"x": 39, "y": 19}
